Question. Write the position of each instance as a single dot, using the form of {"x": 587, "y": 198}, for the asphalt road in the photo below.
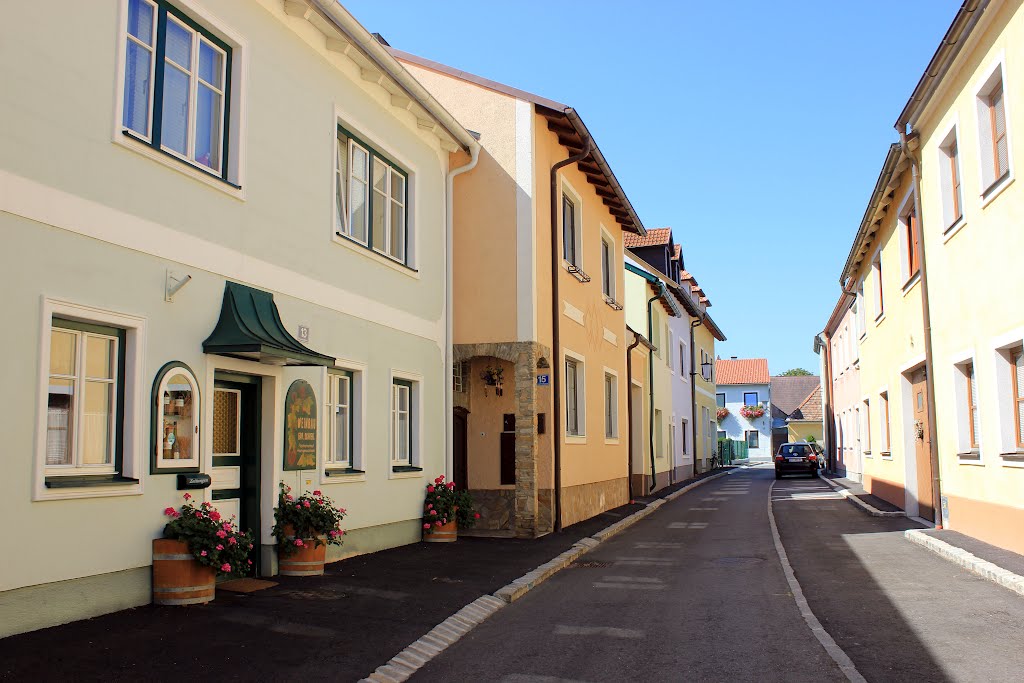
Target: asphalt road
{"x": 697, "y": 592}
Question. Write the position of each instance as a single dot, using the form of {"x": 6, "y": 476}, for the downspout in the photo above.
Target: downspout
{"x": 694, "y": 324}
{"x": 556, "y": 348}
{"x": 449, "y": 427}
{"x": 847, "y": 291}
{"x": 629, "y": 408}
{"x": 926, "y": 318}
{"x": 650, "y": 381}
{"x": 830, "y": 434}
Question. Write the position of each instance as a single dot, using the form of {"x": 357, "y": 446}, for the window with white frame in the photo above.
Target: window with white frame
{"x": 682, "y": 359}
{"x": 571, "y": 247}
{"x": 85, "y": 404}
{"x": 371, "y": 198}
{"x": 883, "y": 410}
{"x": 972, "y": 405}
{"x": 911, "y": 227}
{"x": 1017, "y": 383}
{"x": 859, "y": 312}
{"x": 608, "y": 269}
{"x": 402, "y": 424}
{"x": 176, "y": 85}
{"x": 752, "y": 438}
{"x": 876, "y": 275}
{"x": 683, "y": 437}
{"x": 460, "y": 375}
{"x": 341, "y": 421}
{"x": 949, "y": 170}
{"x": 611, "y": 406}
{"x": 992, "y": 131}
{"x": 865, "y": 440}
{"x": 575, "y": 418}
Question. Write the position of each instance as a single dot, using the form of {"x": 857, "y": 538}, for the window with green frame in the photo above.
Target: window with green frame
{"x": 340, "y": 410}
{"x": 85, "y": 404}
{"x": 371, "y": 197}
{"x": 402, "y": 455}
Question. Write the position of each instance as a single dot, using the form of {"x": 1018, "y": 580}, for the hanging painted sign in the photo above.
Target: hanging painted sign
{"x": 300, "y": 427}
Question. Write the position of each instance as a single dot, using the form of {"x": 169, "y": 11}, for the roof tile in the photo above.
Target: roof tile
{"x": 742, "y": 371}
{"x": 654, "y": 237}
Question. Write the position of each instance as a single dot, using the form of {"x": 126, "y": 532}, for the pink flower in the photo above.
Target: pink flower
{"x": 215, "y": 516}
{"x": 430, "y": 505}
{"x": 434, "y": 513}
{"x": 226, "y": 526}
{"x": 289, "y": 498}
{"x": 176, "y": 515}
{"x": 317, "y": 493}
{"x": 476, "y": 515}
{"x": 334, "y": 532}
{"x": 305, "y": 503}
{"x": 341, "y": 532}
{"x": 250, "y": 546}
{"x": 298, "y": 542}
{"x": 221, "y": 533}
{"x": 169, "y": 512}
{"x": 249, "y": 561}
{"x": 437, "y": 523}
{"x": 225, "y": 567}
{"x": 430, "y": 489}
{"x": 207, "y": 505}
{"x": 439, "y": 479}
{"x": 199, "y": 515}
{"x": 342, "y": 510}
{"x": 451, "y": 485}
{"x": 203, "y": 553}
{"x": 232, "y": 541}
{"x": 220, "y": 547}
{"x": 187, "y": 497}
{"x": 426, "y": 526}
{"x": 298, "y": 506}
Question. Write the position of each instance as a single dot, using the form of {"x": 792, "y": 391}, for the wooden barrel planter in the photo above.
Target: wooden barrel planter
{"x": 178, "y": 579}
{"x": 305, "y": 560}
{"x": 446, "y": 533}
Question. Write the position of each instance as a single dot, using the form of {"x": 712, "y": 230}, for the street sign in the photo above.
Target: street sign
{"x": 543, "y": 380}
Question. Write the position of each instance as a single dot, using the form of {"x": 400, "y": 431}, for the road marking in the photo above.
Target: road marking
{"x": 714, "y": 500}
{"x": 843, "y": 660}
{"x": 631, "y": 579}
{"x": 645, "y": 561}
{"x": 703, "y": 509}
{"x": 654, "y": 544}
{"x": 606, "y": 631}
{"x": 630, "y": 586}
{"x": 530, "y": 678}
{"x": 687, "y": 525}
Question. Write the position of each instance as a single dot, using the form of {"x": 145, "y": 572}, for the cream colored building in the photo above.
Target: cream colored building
{"x": 180, "y": 257}
{"x": 539, "y": 331}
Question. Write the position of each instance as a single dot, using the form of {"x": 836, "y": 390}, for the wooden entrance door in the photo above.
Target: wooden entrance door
{"x": 460, "y": 456}
{"x": 921, "y": 431}
{"x": 236, "y": 453}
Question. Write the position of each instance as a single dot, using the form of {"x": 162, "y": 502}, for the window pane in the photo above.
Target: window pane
{"x": 341, "y": 183}
{"x": 208, "y": 127}
{"x": 174, "y": 133}
{"x": 136, "y": 88}
{"x": 59, "y": 421}
{"x": 99, "y": 357}
{"x": 99, "y": 406}
{"x": 359, "y": 163}
{"x": 397, "y": 231}
{"x": 358, "y": 207}
{"x": 211, "y": 65}
{"x": 341, "y": 424}
{"x": 397, "y": 187}
{"x": 378, "y": 220}
{"x": 62, "y": 352}
{"x": 140, "y": 20}
{"x": 225, "y": 422}
{"x": 178, "y": 44}
{"x": 380, "y": 176}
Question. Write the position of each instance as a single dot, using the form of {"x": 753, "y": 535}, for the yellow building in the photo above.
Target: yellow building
{"x": 968, "y": 118}
{"x": 536, "y": 285}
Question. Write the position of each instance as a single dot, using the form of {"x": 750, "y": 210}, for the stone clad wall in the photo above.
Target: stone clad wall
{"x": 586, "y": 500}
{"x": 496, "y": 508}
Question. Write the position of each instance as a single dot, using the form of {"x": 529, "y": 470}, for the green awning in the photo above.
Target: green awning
{"x": 250, "y": 328}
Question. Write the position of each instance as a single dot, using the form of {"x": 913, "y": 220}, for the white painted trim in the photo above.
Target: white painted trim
{"x": 906, "y": 406}
{"x": 526, "y": 235}
{"x": 572, "y": 313}
{"x": 997, "y": 64}
{"x": 134, "y": 449}
{"x": 611, "y": 337}
{"x": 705, "y": 392}
{"x": 42, "y": 204}
{"x": 906, "y": 205}
{"x": 360, "y": 380}
{"x": 416, "y": 398}
{"x": 614, "y": 439}
{"x": 581, "y": 395}
{"x": 950, "y": 134}
{"x": 566, "y": 188}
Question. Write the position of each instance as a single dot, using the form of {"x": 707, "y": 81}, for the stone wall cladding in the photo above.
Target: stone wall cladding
{"x": 586, "y": 500}
{"x": 545, "y": 511}
{"x": 496, "y": 508}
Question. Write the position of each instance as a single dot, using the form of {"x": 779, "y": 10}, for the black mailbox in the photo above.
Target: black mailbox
{"x": 193, "y": 481}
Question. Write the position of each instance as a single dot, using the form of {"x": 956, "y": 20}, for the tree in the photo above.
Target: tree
{"x": 797, "y": 372}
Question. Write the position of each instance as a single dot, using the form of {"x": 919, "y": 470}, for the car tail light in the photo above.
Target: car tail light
{"x": 779, "y": 458}
{"x": 812, "y": 457}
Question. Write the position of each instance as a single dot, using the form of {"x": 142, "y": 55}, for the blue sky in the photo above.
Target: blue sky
{"x": 755, "y": 129}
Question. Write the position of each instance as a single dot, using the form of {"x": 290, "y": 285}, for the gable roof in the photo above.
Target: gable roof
{"x": 788, "y": 393}
{"x": 654, "y": 237}
{"x": 677, "y": 251}
{"x": 810, "y": 410}
{"x": 742, "y": 371}
{"x": 562, "y": 120}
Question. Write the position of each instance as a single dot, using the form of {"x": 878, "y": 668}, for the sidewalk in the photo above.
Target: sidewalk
{"x": 339, "y": 626}
{"x": 856, "y": 490}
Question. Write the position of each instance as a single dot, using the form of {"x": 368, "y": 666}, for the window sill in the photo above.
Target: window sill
{"x": 611, "y": 440}
{"x": 576, "y": 271}
{"x": 953, "y": 229}
{"x": 405, "y": 468}
{"x": 405, "y": 472}
{"x": 867, "y": 454}
{"x": 886, "y": 455}
{"x": 1013, "y": 456}
{"x": 909, "y": 284}
{"x": 879, "y": 319}
{"x": 359, "y": 247}
{"x": 88, "y": 481}
{"x": 996, "y": 189}
{"x": 133, "y": 142}
{"x": 340, "y": 475}
{"x": 612, "y": 303}
{"x": 576, "y": 439}
{"x": 971, "y": 457}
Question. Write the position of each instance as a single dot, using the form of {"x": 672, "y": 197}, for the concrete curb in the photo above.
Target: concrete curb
{"x": 403, "y": 665}
{"x": 867, "y": 507}
{"x": 969, "y": 561}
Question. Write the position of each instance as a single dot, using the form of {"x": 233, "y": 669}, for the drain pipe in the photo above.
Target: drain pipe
{"x": 846, "y": 286}
{"x": 556, "y": 348}
{"x": 694, "y": 324}
{"x": 449, "y": 427}
{"x": 650, "y": 380}
{"x": 629, "y": 408}
{"x": 830, "y": 432}
{"x": 926, "y": 319}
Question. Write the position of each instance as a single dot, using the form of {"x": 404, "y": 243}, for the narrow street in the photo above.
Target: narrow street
{"x": 697, "y": 592}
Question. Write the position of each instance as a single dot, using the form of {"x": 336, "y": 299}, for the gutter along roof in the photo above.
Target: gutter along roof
{"x": 667, "y": 301}
{"x": 570, "y": 129}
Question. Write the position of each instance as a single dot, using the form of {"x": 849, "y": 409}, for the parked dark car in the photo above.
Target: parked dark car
{"x": 798, "y": 458}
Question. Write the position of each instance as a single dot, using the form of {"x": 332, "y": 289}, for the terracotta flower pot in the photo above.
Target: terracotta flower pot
{"x": 178, "y": 579}
{"x": 446, "y": 533}
{"x": 305, "y": 560}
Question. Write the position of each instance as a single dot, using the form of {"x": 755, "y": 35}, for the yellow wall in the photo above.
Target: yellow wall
{"x": 707, "y": 436}
{"x": 484, "y": 434}
{"x": 802, "y": 431}
{"x": 975, "y": 279}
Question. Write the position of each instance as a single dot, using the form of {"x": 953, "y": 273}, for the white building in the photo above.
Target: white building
{"x": 203, "y": 205}
{"x": 743, "y": 386}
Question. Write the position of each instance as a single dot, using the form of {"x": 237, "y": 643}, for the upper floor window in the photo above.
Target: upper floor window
{"x": 682, "y": 359}
{"x": 607, "y": 268}
{"x": 952, "y": 194}
{"x": 176, "y": 85}
{"x": 992, "y": 131}
{"x": 876, "y": 271}
{"x": 750, "y": 398}
{"x": 913, "y": 235}
{"x": 372, "y": 198}
{"x": 402, "y": 407}
{"x": 571, "y": 246}
{"x": 720, "y": 400}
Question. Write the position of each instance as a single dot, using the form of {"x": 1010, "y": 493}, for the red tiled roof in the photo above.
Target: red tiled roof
{"x": 654, "y": 237}
{"x": 742, "y": 371}
{"x": 810, "y": 409}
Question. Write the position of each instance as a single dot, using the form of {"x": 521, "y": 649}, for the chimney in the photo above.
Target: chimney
{"x": 734, "y": 357}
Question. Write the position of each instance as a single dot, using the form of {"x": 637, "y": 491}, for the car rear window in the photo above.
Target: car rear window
{"x": 794, "y": 450}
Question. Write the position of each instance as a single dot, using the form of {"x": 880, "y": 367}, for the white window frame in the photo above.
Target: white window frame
{"x": 581, "y": 392}
{"x": 197, "y": 418}
{"x": 962, "y": 425}
{"x": 878, "y": 304}
{"x": 906, "y": 208}
{"x": 611, "y": 409}
{"x": 611, "y": 277}
{"x": 683, "y": 424}
{"x": 135, "y": 433}
{"x": 415, "y": 459}
{"x": 865, "y": 444}
{"x": 237, "y": 119}
{"x": 459, "y": 377}
{"x": 340, "y": 394}
{"x": 1005, "y": 418}
{"x": 682, "y": 360}
{"x": 952, "y": 199}
{"x": 884, "y": 424}
{"x": 992, "y": 187}
{"x": 569, "y": 192}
